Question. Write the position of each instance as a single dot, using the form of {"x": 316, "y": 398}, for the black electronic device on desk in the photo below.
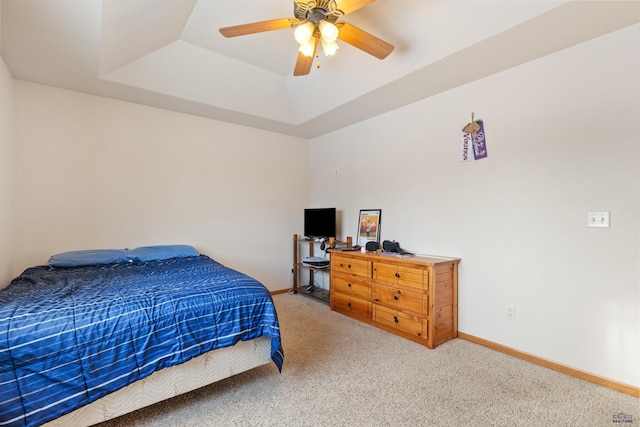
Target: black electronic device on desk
{"x": 315, "y": 262}
{"x": 320, "y": 223}
{"x": 393, "y": 247}
{"x": 372, "y": 246}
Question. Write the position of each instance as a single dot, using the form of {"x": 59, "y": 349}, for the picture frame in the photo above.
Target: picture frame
{"x": 368, "y": 226}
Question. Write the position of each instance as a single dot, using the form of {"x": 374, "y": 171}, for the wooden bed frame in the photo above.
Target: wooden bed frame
{"x": 170, "y": 382}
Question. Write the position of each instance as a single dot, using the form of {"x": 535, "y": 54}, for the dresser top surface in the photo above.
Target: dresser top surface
{"x": 381, "y": 256}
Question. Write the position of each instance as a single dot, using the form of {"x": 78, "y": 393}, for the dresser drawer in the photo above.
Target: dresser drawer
{"x": 351, "y": 285}
{"x": 350, "y": 305}
{"x": 407, "y": 276}
{"x": 358, "y": 267}
{"x": 413, "y": 325}
{"x": 398, "y": 298}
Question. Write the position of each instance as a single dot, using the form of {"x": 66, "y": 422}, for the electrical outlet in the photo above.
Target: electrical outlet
{"x": 510, "y": 313}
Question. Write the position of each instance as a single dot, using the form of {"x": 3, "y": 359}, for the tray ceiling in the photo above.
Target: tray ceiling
{"x": 169, "y": 54}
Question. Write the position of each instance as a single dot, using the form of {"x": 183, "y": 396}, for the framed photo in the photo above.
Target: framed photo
{"x": 368, "y": 226}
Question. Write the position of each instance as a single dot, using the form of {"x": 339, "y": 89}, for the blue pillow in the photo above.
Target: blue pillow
{"x": 89, "y": 257}
{"x": 160, "y": 252}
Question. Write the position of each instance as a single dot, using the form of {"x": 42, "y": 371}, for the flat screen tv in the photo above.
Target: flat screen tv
{"x": 320, "y": 222}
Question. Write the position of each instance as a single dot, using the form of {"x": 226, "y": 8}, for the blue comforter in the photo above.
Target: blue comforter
{"x": 69, "y": 336}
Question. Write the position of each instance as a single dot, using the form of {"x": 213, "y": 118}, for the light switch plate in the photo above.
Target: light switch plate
{"x": 598, "y": 219}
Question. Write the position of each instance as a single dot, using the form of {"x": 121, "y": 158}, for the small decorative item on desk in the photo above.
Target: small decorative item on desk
{"x": 368, "y": 226}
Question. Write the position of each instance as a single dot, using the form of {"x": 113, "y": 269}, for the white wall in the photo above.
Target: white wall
{"x": 6, "y": 168}
{"x": 561, "y": 141}
{"x": 92, "y": 172}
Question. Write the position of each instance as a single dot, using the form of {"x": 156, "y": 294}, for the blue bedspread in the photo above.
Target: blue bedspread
{"x": 69, "y": 336}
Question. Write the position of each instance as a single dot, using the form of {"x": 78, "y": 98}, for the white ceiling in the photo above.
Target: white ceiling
{"x": 169, "y": 53}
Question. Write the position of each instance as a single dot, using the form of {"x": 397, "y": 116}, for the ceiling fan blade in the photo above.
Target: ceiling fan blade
{"x": 258, "y": 27}
{"x": 304, "y": 63}
{"x": 348, "y": 6}
{"x": 364, "y": 41}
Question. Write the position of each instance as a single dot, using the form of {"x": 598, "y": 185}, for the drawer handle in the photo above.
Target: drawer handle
{"x": 348, "y": 304}
{"x": 395, "y": 297}
{"x": 398, "y": 275}
{"x": 395, "y": 319}
{"x": 348, "y": 265}
{"x": 349, "y": 285}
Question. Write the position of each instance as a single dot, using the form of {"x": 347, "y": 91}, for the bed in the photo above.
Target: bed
{"x": 96, "y": 334}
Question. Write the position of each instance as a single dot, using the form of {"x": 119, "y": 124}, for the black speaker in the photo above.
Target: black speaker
{"x": 372, "y": 246}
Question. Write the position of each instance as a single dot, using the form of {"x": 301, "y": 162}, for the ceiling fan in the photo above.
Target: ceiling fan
{"x": 315, "y": 23}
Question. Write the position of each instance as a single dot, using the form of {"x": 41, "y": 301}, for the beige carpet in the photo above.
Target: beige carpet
{"x": 340, "y": 372}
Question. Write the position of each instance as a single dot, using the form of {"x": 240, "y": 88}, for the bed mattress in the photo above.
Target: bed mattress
{"x": 69, "y": 336}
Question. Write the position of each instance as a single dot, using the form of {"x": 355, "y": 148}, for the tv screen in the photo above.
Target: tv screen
{"x": 320, "y": 222}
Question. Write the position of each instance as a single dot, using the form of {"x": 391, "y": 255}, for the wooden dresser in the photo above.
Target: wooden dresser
{"x": 414, "y": 297}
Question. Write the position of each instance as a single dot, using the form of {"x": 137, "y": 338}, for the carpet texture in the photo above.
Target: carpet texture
{"x": 341, "y": 372}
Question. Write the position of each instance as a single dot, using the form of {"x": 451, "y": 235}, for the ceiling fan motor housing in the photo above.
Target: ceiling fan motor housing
{"x": 316, "y": 11}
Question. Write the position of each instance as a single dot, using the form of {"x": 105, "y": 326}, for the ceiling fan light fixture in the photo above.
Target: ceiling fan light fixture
{"x": 304, "y": 32}
{"x": 308, "y": 48}
{"x": 329, "y": 31}
{"x": 329, "y": 48}
{"x": 316, "y": 21}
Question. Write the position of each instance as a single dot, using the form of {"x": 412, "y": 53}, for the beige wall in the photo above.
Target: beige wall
{"x": 561, "y": 142}
{"x": 6, "y": 167}
{"x": 93, "y": 172}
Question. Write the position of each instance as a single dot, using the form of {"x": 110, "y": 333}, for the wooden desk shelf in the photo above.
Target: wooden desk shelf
{"x": 310, "y": 289}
